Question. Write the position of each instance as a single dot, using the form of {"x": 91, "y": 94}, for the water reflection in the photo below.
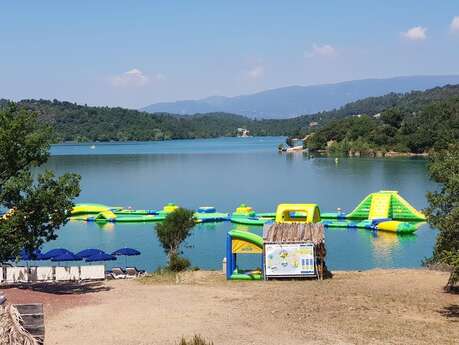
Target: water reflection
{"x": 106, "y": 226}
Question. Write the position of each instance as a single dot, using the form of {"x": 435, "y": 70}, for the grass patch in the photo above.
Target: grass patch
{"x": 196, "y": 340}
{"x": 160, "y": 276}
{"x": 165, "y": 276}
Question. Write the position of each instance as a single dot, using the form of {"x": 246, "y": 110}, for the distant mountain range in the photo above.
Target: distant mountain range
{"x": 292, "y": 101}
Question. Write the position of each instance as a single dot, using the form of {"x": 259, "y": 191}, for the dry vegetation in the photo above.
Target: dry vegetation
{"x": 372, "y": 307}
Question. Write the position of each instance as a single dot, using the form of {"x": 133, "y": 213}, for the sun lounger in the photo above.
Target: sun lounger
{"x": 33, "y": 274}
{"x": 133, "y": 272}
{"x": 17, "y": 275}
{"x": 43, "y": 274}
{"x": 62, "y": 274}
{"x": 67, "y": 273}
{"x": 92, "y": 272}
{"x": 118, "y": 273}
{"x": 74, "y": 273}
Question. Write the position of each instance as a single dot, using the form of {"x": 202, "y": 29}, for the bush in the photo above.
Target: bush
{"x": 178, "y": 263}
{"x": 196, "y": 340}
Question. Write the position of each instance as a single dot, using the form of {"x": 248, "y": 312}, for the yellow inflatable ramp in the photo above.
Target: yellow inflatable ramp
{"x": 380, "y": 206}
{"x": 385, "y": 204}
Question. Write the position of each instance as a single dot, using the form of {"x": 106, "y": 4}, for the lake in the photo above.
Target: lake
{"x": 225, "y": 172}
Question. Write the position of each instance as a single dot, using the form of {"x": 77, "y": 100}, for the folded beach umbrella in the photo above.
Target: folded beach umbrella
{"x": 89, "y": 252}
{"x": 68, "y": 256}
{"x": 101, "y": 257}
{"x": 55, "y": 252}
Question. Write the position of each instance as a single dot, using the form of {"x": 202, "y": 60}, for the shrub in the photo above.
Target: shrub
{"x": 178, "y": 263}
{"x": 196, "y": 340}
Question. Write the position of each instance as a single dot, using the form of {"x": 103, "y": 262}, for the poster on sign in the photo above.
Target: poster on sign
{"x": 289, "y": 260}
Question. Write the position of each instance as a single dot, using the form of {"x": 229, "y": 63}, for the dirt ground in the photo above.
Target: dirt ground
{"x": 372, "y": 307}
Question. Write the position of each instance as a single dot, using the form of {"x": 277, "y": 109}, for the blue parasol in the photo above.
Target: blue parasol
{"x": 26, "y": 256}
{"x": 89, "y": 252}
{"x": 101, "y": 257}
{"x": 126, "y": 252}
{"x": 67, "y": 257}
{"x": 55, "y": 252}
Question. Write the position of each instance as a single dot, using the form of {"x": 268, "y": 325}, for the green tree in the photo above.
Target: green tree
{"x": 38, "y": 203}
{"x": 172, "y": 232}
{"x": 443, "y": 210}
{"x": 393, "y": 117}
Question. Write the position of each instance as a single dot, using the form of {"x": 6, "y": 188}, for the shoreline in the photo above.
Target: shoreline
{"x": 378, "y": 306}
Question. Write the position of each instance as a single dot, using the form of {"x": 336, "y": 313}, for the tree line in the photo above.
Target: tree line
{"x": 412, "y": 122}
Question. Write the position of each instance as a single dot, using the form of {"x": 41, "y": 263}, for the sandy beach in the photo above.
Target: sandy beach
{"x": 371, "y": 307}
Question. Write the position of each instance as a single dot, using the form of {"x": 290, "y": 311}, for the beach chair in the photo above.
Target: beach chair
{"x": 91, "y": 272}
{"x": 17, "y": 275}
{"x": 45, "y": 273}
{"x": 118, "y": 273}
{"x": 41, "y": 274}
{"x": 33, "y": 274}
{"x": 133, "y": 272}
{"x": 63, "y": 274}
{"x": 98, "y": 272}
{"x": 74, "y": 273}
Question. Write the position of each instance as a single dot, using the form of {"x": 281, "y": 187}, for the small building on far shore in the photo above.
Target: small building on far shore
{"x": 243, "y": 132}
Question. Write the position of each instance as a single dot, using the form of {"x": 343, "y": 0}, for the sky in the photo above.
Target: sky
{"x": 134, "y": 53}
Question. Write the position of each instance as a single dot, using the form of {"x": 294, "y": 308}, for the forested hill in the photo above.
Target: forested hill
{"x": 416, "y": 123}
{"x": 74, "y": 122}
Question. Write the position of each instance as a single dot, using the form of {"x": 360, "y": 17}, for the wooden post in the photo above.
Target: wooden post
{"x": 33, "y": 318}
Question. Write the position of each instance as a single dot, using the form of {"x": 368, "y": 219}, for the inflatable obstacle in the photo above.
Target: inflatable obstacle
{"x": 204, "y": 214}
{"x": 208, "y": 214}
{"x": 136, "y": 212}
{"x": 242, "y": 242}
{"x": 246, "y": 215}
{"x": 378, "y": 224}
{"x": 102, "y": 213}
{"x": 384, "y": 210}
{"x": 169, "y": 208}
{"x": 110, "y": 216}
{"x": 381, "y": 205}
{"x": 90, "y": 208}
{"x": 297, "y": 213}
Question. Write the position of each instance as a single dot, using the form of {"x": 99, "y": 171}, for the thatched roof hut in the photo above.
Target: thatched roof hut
{"x": 294, "y": 232}
{"x": 279, "y": 233}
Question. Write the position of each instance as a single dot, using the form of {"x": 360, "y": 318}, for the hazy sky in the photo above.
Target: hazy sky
{"x": 133, "y": 53}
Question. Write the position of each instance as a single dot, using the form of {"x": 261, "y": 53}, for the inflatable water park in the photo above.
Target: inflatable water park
{"x": 291, "y": 247}
{"x": 383, "y": 210}
{"x": 102, "y": 213}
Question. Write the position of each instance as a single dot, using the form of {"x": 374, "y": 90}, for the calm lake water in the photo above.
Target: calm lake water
{"x": 225, "y": 172}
